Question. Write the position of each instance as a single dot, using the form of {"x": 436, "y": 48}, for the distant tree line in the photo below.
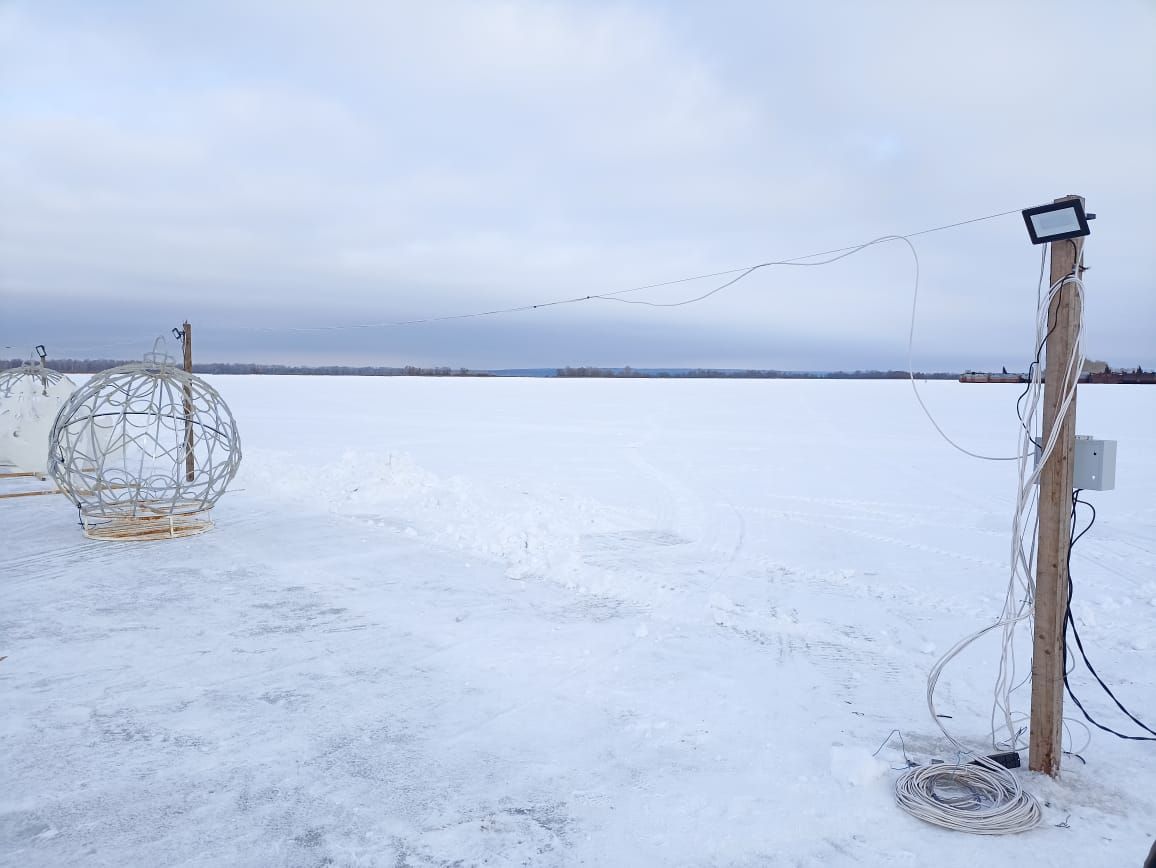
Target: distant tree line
{"x": 604, "y": 372}
{"x": 92, "y": 366}
{"x": 70, "y": 366}
{"x": 750, "y": 374}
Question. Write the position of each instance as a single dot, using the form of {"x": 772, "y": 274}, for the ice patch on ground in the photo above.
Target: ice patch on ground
{"x": 516, "y": 836}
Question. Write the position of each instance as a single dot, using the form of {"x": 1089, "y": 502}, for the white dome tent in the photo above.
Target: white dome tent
{"x": 145, "y": 451}
{"x": 30, "y": 397}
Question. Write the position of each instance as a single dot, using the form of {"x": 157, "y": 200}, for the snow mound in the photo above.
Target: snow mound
{"x": 535, "y": 532}
{"x": 856, "y": 766}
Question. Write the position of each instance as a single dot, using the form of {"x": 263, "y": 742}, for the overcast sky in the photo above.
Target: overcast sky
{"x": 283, "y": 164}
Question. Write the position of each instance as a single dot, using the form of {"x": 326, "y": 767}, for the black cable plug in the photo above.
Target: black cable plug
{"x": 1008, "y": 759}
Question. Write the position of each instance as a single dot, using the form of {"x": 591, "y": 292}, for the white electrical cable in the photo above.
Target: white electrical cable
{"x": 843, "y": 254}
{"x": 1021, "y": 587}
{"x": 969, "y": 798}
{"x": 983, "y": 797}
{"x": 911, "y": 374}
{"x": 614, "y": 295}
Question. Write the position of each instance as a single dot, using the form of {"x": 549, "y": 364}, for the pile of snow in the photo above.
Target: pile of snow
{"x": 534, "y": 533}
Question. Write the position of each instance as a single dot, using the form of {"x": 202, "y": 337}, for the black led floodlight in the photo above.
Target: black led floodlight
{"x": 1057, "y": 221}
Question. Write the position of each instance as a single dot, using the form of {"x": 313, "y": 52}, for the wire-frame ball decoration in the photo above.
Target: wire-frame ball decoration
{"x": 30, "y": 397}
{"x": 145, "y": 451}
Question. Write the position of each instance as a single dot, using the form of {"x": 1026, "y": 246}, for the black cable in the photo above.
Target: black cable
{"x": 1035, "y": 364}
{"x": 1040, "y": 349}
{"x": 1071, "y": 623}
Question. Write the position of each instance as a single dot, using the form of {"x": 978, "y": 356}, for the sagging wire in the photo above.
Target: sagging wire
{"x": 615, "y": 295}
{"x": 838, "y": 255}
{"x": 832, "y": 255}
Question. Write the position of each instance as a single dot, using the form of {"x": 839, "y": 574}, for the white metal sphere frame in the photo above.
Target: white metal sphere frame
{"x": 13, "y": 381}
{"x": 30, "y": 396}
{"x": 144, "y": 451}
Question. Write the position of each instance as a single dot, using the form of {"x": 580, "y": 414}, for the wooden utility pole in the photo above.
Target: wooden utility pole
{"x": 187, "y": 342}
{"x": 1055, "y": 515}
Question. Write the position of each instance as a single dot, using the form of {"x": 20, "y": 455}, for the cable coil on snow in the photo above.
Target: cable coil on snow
{"x": 976, "y": 798}
{"x": 145, "y": 451}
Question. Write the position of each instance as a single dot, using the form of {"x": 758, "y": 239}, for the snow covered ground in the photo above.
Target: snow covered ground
{"x": 561, "y": 622}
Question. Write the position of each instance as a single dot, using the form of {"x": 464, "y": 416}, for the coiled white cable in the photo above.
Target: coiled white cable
{"x": 969, "y": 798}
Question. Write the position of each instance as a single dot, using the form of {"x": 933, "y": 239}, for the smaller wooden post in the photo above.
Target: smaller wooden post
{"x": 187, "y": 342}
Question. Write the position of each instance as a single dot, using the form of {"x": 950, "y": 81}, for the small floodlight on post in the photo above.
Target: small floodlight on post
{"x": 1064, "y": 218}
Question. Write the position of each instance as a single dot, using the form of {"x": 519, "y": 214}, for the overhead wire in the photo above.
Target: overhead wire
{"x": 831, "y": 256}
{"x": 614, "y": 295}
{"x": 797, "y": 262}
{"x": 835, "y": 256}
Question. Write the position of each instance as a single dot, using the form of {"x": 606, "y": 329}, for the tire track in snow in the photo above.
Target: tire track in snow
{"x": 707, "y": 544}
{"x": 922, "y": 547}
{"x": 863, "y": 511}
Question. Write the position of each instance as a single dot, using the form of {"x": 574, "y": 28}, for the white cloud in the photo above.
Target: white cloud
{"x": 367, "y": 159}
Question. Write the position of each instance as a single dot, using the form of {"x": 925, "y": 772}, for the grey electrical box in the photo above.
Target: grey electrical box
{"x": 1095, "y": 464}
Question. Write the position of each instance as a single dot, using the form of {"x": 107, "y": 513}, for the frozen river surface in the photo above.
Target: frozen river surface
{"x": 499, "y": 622}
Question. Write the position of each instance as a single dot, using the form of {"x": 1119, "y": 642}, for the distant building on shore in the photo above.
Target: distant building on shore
{"x": 1092, "y": 372}
{"x": 986, "y": 377}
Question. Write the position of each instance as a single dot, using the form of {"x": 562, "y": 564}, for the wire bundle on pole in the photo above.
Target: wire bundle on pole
{"x": 982, "y": 796}
{"x": 1019, "y": 601}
